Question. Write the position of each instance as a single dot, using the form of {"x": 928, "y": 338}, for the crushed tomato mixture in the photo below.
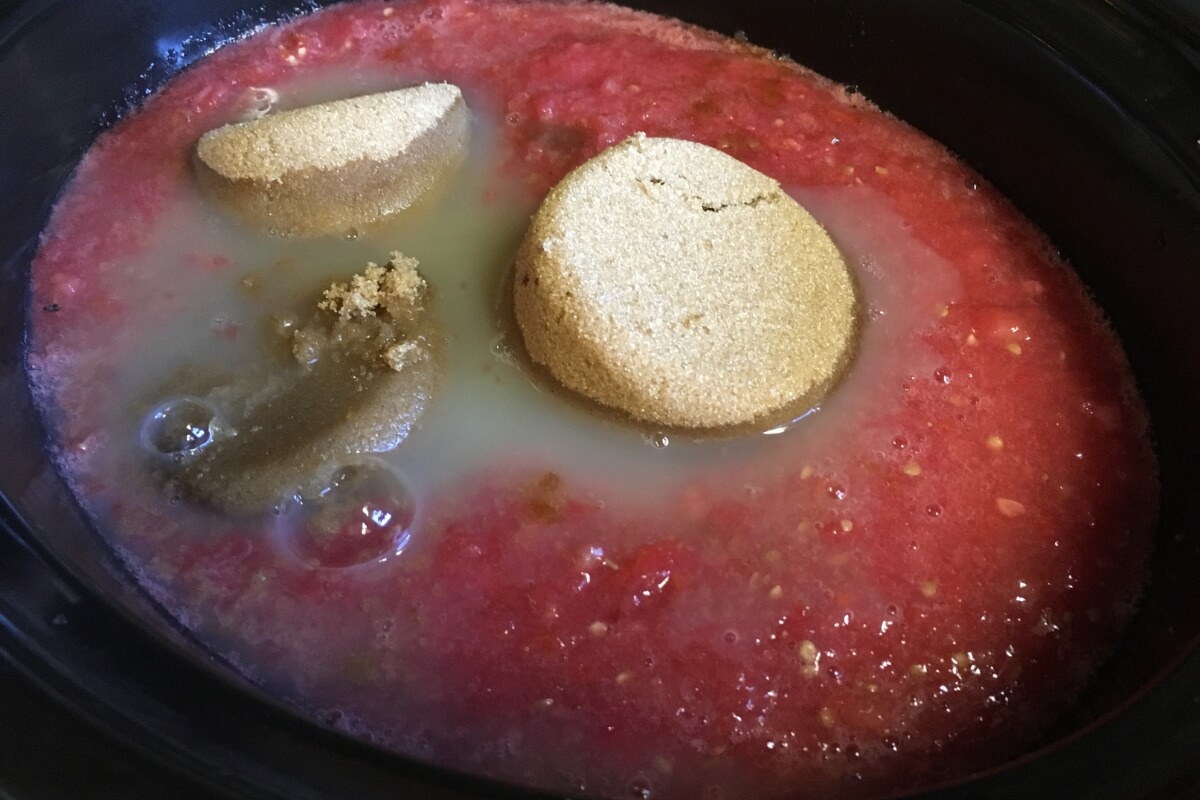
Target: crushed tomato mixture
{"x": 915, "y": 592}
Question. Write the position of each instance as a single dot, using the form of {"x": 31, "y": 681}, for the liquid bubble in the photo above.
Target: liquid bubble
{"x": 179, "y": 427}
{"x": 363, "y": 515}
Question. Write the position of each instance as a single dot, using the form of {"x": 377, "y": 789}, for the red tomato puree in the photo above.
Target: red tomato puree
{"x": 911, "y": 583}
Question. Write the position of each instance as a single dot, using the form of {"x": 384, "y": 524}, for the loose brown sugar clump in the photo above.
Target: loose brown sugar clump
{"x": 332, "y": 167}
{"x": 395, "y": 289}
{"x": 668, "y": 280}
{"x": 378, "y": 316}
{"x": 364, "y": 369}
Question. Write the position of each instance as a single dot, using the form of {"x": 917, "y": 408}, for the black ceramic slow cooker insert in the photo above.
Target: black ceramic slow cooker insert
{"x": 1086, "y": 114}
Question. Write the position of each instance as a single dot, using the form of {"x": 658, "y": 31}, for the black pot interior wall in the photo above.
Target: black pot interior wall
{"x": 1086, "y": 115}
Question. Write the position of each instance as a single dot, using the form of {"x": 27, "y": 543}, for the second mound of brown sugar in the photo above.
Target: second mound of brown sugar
{"x": 668, "y": 280}
{"x": 336, "y": 166}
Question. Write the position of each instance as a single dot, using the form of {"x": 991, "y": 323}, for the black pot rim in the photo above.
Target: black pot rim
{"x": 50, "y": 653}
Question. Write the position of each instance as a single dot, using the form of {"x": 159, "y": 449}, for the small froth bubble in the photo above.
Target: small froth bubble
{"x": 640, "y": 787}
{"x": 179, "y": 427}
{"x": 258, "y": 101}
{"x": 659, "y": 440}
{"x": 502, "y": 349}
{"x": 422, "y": 747}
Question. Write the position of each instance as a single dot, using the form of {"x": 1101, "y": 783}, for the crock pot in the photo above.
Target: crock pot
{"x": 1086, "y": 114}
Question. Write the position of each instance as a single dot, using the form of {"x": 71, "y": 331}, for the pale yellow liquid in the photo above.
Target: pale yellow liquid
{"x": 489, "y": 415}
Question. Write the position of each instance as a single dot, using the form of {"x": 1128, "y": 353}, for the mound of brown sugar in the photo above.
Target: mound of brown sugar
{"x": 670, "y": 281}
{"x": 337, "y": 166}
{"x": 368, "y": 364}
